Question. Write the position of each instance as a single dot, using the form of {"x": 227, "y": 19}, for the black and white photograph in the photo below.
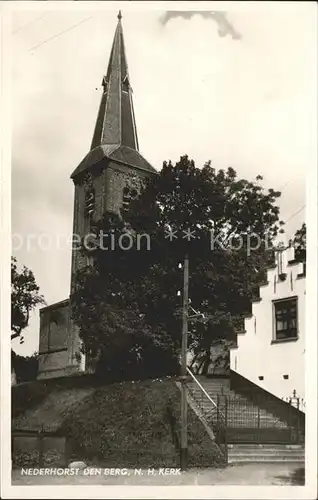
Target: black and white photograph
{"x": 159, "y": 235}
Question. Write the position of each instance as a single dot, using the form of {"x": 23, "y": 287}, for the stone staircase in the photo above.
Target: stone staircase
{"x": 253, "y": 432}
{"x": 218, "y": 389}
{"x": 242, "y": 453}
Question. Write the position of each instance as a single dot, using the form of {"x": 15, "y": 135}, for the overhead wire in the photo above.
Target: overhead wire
{"x": 27, "y": 24}
{"x": 295, "y": 213}
{"x": 59, "y": 34}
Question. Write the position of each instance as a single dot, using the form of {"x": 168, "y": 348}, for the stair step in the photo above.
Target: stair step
{"x": 265, "y": 459}
{"x": 265, "y": 453}
{"x": 268, "y": 456}
{"x": 291, "y": 453}
{"x": 245, "y": 446}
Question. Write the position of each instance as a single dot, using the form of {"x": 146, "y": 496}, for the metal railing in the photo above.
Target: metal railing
{"x": 202, "y": 388}
{"x": 215, "y": 406}
{"x": 213, "y": 416}
{"x": 295, "y": 401}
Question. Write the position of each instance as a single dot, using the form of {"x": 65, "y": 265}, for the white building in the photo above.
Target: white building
{"x": 271, "y": 349}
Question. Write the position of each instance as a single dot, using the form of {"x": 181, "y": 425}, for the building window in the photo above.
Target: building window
{"x": 89, "y": 200}
{"x": 89, "y": 203}
{"x": 129, "y": 194}
{"x": 126, "y": 198}
{"x": 285, "y": 319}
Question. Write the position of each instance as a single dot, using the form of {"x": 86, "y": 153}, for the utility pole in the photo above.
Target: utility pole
{"x": 184, "y": 349}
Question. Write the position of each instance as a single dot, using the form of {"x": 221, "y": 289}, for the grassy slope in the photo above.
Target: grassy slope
{"x": 125, "y": 424}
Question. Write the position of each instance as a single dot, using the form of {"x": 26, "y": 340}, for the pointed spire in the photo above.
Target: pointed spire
{"x": 115, "y": 134}
{"x": 115, "y": 122}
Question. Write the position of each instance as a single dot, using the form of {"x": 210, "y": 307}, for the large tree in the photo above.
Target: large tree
{"x": 130, "y": 297}
{"x": 25, "y": 296}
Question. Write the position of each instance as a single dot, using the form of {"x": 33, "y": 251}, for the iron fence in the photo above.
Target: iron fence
{"x": 258, "y": 422}
{"x": 213, "y": 412}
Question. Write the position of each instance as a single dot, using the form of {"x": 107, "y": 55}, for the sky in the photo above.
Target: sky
{"x": 232, "y": 87}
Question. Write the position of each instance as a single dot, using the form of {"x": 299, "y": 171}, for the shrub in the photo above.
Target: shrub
{"x": 23, "y": 458}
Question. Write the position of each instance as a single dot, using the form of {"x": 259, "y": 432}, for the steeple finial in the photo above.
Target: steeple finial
{"x": 119, "y": 16}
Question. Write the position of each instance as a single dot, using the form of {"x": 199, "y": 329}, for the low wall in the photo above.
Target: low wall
{"x": 37, "y": 449}
{"x": 266, "y": 400}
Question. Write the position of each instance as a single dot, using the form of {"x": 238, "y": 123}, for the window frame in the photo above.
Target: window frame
{"x": 294, "y": 336}
{"x": 89, "y": 203}
{"x": 128, "y": 198}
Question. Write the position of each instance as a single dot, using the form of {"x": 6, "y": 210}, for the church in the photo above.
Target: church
{"x": 104, "y": 181}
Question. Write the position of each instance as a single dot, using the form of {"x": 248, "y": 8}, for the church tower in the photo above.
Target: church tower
{"x": 109, "y": 175}
{"x": 113, "y": 167}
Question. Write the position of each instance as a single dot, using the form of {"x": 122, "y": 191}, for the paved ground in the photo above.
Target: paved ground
{"x": 245, "y": 474}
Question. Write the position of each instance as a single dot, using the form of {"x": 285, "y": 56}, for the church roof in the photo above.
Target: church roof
{"x": 121, "y": 154}
{"x": 115, "y": 134}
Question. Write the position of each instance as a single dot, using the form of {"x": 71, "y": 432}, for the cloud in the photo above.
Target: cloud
{"x": 220, "y": 17}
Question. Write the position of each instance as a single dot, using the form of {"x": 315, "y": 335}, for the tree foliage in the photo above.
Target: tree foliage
{"x": 25, "y": 297}
{"x": 25, "y": 367}
{"x": 299, "y": 242}
{"x": 127, "y": 300}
